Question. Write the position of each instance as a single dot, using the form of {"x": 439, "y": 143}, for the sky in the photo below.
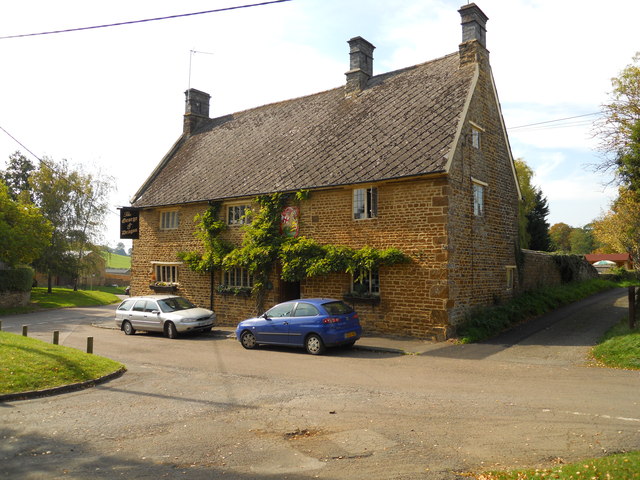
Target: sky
{"x": 111, "y": 100}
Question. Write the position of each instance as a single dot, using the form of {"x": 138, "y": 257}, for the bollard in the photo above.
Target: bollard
{"x": 0, "y": 325}
{"x": 56, "y": 337}
{"x": 632, "y": 308}
{"x": 25, "y": 329}
{"x": 89, "y": 344}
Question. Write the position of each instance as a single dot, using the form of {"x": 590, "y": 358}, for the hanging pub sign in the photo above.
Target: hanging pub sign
{"x": 129, "y": 223}
{"x": 289, "y": 223}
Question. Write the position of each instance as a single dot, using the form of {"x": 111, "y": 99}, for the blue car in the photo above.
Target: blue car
{"x": 312, "y": 323}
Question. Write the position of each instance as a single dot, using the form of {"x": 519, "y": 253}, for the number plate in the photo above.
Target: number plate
{"x": 350, "y": 334}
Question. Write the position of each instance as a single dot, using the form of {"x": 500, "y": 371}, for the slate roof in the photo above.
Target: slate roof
{"x": 403, "y": 124}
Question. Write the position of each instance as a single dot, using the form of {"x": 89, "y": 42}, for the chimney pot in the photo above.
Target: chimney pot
{"x": 360, "y": 65}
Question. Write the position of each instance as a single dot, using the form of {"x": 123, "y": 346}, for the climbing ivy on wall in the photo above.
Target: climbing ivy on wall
{"x": 263, "y": 245}
{"x": 208, "y": 230}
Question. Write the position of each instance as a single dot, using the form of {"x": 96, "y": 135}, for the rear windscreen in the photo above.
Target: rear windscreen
{"x": 337, "y": 308}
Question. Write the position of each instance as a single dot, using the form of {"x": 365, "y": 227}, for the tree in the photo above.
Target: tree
{"x": 620, "y": 118}
{"x": 528, "y": 192}
{"x": 119, "y": 250}
{"x": 581, "y": 240}
{"x": 16, "y": 176}
{"x": 75, "y": 203}
{"x": 628, "y": 161}
{"x": 619, "y": 229}
{"x": 537, "y": 225}
{"x": 559, "y": 234}
{"x": 24, "y": 232}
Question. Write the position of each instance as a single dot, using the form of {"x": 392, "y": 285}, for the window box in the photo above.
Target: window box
{"x": 364, "y": 298}
{"x": 159, "y": 288}
{"x": 237, "y": 291}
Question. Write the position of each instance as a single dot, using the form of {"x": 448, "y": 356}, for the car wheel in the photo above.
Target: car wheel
{"x": 170, "y": 330}
{"x": 314, "y": 345}
{"x": 127, "y": 328}
{"x": 248, "y": 340}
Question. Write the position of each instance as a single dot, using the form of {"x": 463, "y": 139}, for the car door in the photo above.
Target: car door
{"x": 136, "y": 315}
{"x": 275, "y": 325}
{"x": 152, "y": 316}
{"x": 304, "y": 320}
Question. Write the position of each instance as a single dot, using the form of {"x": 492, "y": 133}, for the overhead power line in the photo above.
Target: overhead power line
{"x": 548, "y": 122}
{"x": 145, "y": 20}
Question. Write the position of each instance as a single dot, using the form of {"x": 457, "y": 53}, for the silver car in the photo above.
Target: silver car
{"x": 163, "y": 313}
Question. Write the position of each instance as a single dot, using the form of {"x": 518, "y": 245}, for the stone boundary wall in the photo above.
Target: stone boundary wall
{"x": 540, "y": 269}
{"x": 14, "y": 299}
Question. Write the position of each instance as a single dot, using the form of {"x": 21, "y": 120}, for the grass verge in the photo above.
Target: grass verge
{"x": 28, "y": 364}
{"x": 65, "y": 297}
{"x": 486, "y": 322}
{"x": 620, "y": 347}
{"x": 622, "y": 466}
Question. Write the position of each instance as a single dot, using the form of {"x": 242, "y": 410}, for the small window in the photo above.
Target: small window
{"x": 370, "y": 284}
{"x": 238, "y": 278}
{"x": 169, "y": 220}
{"x": 238, "y": 214}
{"x": 475, "y": 137}
{"x": 306, "y": 310}
{"x": 478, "y": 199}
{"x": 511, "y": 272}
{"x": 166, "y": 273}
{"x": 365, "y": 203}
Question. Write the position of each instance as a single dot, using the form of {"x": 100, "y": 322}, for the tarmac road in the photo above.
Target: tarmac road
{"x": 204, "y": 408}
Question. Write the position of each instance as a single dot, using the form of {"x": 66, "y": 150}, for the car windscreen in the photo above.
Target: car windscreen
{"x": 337, "y": 308}
{"x": 174, "y": 304}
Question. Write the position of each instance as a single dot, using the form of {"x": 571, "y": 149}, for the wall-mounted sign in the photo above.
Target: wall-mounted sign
{"x": 289, "y": 221}
{"x": 129, "y": 223}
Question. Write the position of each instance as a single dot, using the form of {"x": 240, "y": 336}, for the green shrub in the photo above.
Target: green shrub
{"x": 16, "y": 280}
{"x": 482, "y": 323}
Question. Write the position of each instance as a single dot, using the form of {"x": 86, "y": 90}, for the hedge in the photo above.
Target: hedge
{"x": 16, "y": 280}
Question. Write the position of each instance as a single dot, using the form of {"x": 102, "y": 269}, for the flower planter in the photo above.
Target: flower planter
{"x": 366, "y": 300}
{"x": 163, "y": 288}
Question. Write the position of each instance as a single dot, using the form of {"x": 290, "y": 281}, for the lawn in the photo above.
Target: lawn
{"x": 117, "y": 261}
{"x": 623, "y": 466}
{"x": 620, "y": 347}
{"x": 28, "y": 364}
{"x": 65, "y": 297}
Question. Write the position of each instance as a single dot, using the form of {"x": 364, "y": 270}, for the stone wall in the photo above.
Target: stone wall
{"x": 411, "y": 217}
{"x": 541, "y": 269}
{"x": 14, "y": 299}
{"x": 482, "y": 248}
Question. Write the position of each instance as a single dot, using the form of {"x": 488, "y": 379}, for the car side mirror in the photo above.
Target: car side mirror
{"x": 155, "y": 312}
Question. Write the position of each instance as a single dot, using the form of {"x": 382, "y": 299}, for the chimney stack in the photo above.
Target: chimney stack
{"x": 196, "y": 110}
{"x": 360, "y": 65}
{"x": 474, "y": 33}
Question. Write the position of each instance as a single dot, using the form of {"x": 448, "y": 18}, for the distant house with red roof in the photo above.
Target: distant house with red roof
{"x": 604, "y": 261}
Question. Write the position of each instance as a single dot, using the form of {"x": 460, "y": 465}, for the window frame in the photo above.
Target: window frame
{"x": 169, "y": 219}
{"x": 476, "y": 135}
{"x": 365, "y": 203}
{"x": 238, "y": 219}
{"x": 371, "y": 281}
{"x": 230, "y": 278}
{"x": 478, "y": 191}
{"x": 160, "y": 270}
{"x": 511, "y": 277}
